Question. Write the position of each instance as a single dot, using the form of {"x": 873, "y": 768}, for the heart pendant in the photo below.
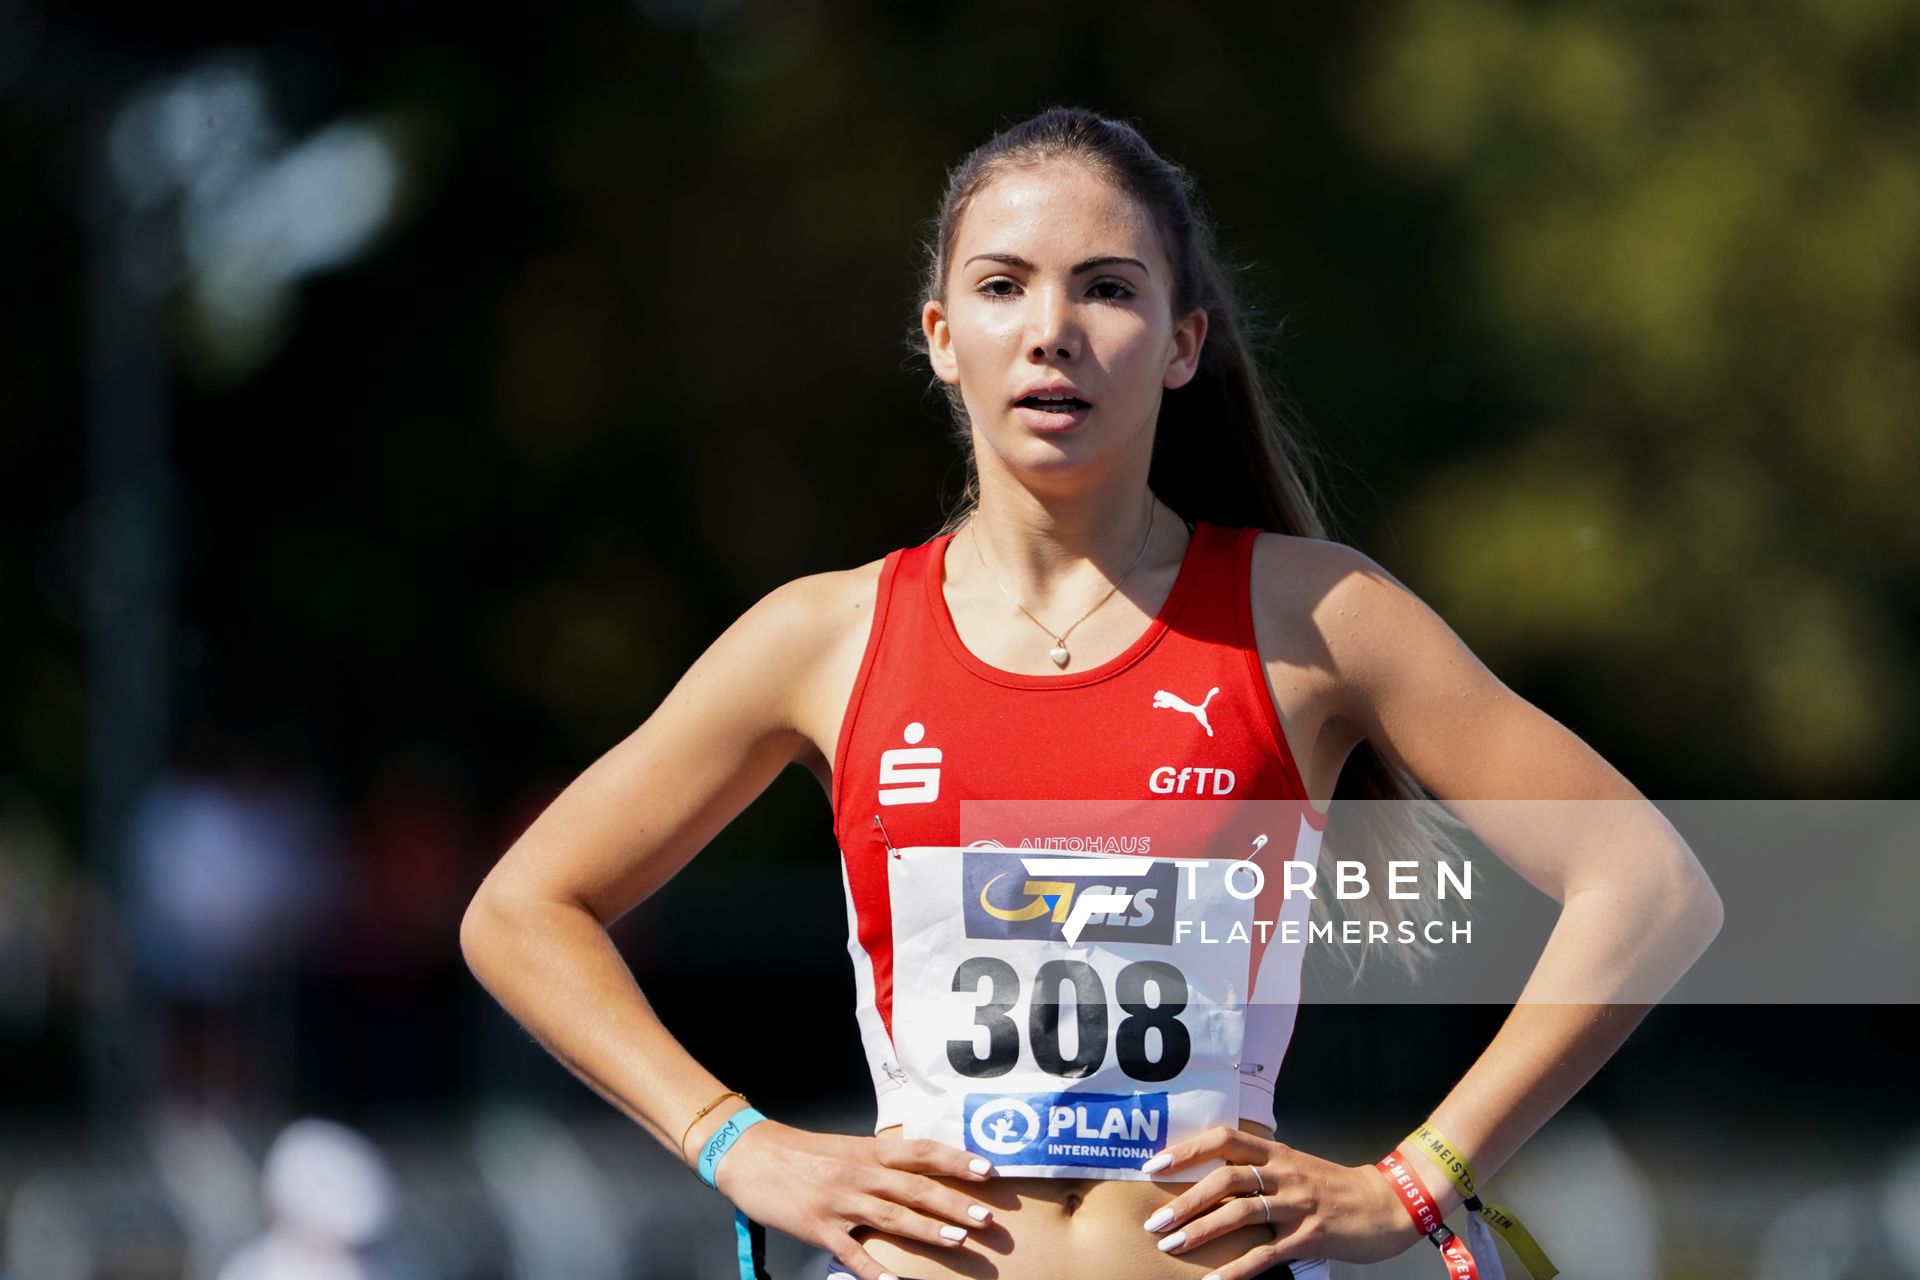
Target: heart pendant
{"x": 1059, "y": 656}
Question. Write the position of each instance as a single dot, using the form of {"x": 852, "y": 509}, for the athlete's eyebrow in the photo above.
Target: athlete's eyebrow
{"x": 1105, "y": 260}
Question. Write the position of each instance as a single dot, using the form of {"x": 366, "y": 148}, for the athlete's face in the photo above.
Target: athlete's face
{"x": 1057, "y": 282}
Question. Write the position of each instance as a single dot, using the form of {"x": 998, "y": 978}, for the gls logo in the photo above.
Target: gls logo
{"x": 1066, "y": 898}
{"x": 910, "y": 774}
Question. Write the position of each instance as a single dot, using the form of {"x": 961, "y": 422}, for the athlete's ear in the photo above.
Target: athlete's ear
{"x": 1189, "y": 336}
{"x": 933, "y": 323}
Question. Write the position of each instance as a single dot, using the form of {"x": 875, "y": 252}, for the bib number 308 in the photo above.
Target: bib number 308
{"x": 1090, "y": 1013}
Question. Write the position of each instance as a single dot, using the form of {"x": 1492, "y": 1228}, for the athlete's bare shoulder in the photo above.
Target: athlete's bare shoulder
{"x": 1314, "y": 598}
{"x": 1317, "y": 574}
{"x": 1388, "y": 667}
{"x": 1320, "y": 610}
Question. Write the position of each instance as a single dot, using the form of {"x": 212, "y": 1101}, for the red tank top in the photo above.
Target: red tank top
{"x": 1182, "y": 711}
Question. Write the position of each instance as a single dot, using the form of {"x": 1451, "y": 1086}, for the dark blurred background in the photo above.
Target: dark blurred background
{"x": 395, "y": 400}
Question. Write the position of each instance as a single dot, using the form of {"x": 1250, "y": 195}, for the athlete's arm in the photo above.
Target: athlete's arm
{"x": 1636, "y": 907}
{"x": 535, "y": 933}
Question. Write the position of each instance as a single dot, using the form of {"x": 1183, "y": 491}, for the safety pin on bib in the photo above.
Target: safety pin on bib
{"x": 1254, "y": 1068}
{"x": 884, "y": 839}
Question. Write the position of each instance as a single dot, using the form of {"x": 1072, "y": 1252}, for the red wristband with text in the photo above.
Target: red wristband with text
{"x": 1425, "y": 1212}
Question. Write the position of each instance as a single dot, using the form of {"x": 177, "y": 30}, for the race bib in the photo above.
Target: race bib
{"x": 1067, "y": 1015}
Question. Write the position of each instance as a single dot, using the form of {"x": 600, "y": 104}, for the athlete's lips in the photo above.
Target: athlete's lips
{"x": 1052, "y": 406}
{"x": 1047, "y": 421}
{"x": 1055, "y": 390}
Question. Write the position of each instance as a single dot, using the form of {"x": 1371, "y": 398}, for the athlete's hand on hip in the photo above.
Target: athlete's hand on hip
{"x": 1319, "y": 1209}
{"x": 821, "y": 1187}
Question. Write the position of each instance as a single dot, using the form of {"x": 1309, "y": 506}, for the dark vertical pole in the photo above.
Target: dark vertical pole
{"x": 128, "y": 525}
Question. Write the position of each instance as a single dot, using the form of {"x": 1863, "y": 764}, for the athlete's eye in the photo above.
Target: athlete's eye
{"x": 1108, "y": 290}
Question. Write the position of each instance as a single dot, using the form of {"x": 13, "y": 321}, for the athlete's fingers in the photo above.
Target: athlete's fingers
{"x": 1241, "y": 1211}
{"x": 1228, "y": 1180}
{"x": 924, "y": 1155}
{"x": 898, "y": 1220}
{"x": 931, "y": 1197}
{"x": 850, "y": 1260}
{"x": 1219, "y": 1141}
{"x": 1255, "y": 1262}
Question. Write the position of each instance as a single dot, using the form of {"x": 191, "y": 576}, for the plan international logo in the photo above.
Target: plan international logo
{"x": 1038, "y": 898}
{"x": 1098, "y": 1130}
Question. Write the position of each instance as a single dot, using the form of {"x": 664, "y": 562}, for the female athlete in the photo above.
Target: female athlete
{"x": 1136, "y": 599}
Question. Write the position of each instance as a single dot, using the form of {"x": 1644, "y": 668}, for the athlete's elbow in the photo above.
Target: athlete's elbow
{"x": 1707, "y": 911}
{"x": 1690, "y": 912}
{"x": 505, "y": 923}
{"x": 476, "y": 931}
{"x": 485, "y": 929}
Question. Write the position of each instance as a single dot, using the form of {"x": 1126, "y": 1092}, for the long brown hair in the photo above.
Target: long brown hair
{"x": 1230, "y": 448}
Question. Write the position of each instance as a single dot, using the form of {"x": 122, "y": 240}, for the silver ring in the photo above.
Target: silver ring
{"x": 1267, "y": 1205}
{"x": 1258, "y": 1181}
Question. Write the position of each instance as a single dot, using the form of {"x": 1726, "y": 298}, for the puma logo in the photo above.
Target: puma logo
{"x": 1175, "y": 702}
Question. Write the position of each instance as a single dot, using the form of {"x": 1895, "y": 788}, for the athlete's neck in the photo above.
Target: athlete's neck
{"x": 1043, "y": 553}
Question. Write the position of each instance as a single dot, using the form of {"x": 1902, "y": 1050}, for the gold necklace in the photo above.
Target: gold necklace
{"x": 1059, "y": 652}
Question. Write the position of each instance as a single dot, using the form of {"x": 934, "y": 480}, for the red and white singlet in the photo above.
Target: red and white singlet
{"x": 1183, "y": 712}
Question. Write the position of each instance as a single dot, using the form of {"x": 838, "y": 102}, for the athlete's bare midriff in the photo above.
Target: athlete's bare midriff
{"x": 1052, "y": 1227}
{"x": 1048, "y": 1228}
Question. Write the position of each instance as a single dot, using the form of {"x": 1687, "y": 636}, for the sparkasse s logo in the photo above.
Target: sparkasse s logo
{"x": 910, "y": 774}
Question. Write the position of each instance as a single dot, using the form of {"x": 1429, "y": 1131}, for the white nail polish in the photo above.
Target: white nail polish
{"x": 1158, "y": 1163}
{"x": 981, "y": 1167}
{"x": 1173, "y": 1241}
{"x": 1160, "y": 1219}
{"x": 888, "y": 1275}
{"x": 955, "y": 1234}
{"x": 977, "y": 1213}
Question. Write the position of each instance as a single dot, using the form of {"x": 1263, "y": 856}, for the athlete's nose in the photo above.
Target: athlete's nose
{"x": 1055, "y": 332}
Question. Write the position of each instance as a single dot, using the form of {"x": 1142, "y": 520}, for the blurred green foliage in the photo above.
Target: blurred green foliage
{"x": 1688, "y": 243}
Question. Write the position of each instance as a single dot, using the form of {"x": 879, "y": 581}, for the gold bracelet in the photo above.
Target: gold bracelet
{"x": 731, "y": 1093}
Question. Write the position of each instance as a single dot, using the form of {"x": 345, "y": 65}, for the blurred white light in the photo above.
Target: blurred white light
{"x": 313, "y": 206}
{"x": 1584, "y": 1197}
{"x": 1814, "y": 1237}
{"x": 203, "y": 129}
{"x": 254, "y": 215}
{"x": 327, "y": 1182}
{"x": 1900, "y": 1212}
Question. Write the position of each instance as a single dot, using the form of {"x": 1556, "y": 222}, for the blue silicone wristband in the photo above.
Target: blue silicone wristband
{"x": 716, "y": 1147}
